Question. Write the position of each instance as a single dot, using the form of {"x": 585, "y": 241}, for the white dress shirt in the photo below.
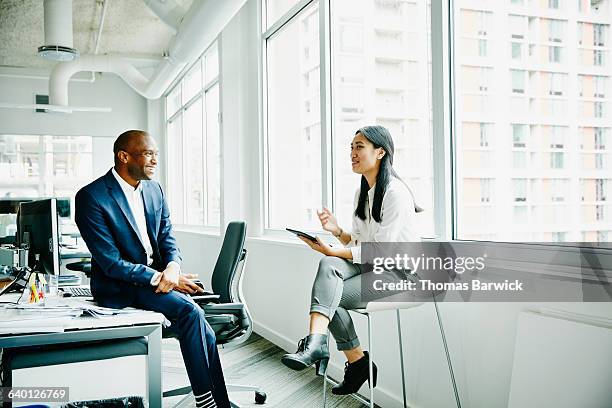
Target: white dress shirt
{"x": 134, "y": 199}
{"x": 398, "y": 224}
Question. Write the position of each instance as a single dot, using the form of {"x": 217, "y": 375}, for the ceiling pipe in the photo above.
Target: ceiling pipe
{"x": 100, "y": 28}
{"x": 61, "y": 74}
{"x": 168, "y": 11}
{"x": 199, "y": 28}
{"x": 53, "y": 108}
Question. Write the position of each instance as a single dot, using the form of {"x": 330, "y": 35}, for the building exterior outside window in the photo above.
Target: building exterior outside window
{"x": 548, "y": 106}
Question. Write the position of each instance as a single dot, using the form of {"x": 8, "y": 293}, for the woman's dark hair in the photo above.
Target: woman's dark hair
{"x": 379, "y": 136}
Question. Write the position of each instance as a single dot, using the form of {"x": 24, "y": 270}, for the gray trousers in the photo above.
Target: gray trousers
{"x": 335, "y": 291}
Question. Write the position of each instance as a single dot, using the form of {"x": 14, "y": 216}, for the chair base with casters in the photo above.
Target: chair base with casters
{"x": 231, "y": 323}
{"x": 260, "y": 396}
{"x": 226, "y": 311}
{"x": 225, "y": 321}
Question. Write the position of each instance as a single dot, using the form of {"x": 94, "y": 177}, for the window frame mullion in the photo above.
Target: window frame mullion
{"x": 264, "y": 139}
{"x": 285, "y": 18}
{"x": 327, "y": 173}
{"x": 443, "y": 126}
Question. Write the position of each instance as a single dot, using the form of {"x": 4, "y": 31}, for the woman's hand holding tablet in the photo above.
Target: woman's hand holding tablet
{"x": 314, "y": 242}
{"x": 302, "y": 234}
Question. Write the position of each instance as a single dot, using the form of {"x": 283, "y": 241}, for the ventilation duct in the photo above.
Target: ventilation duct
{"x": 58, "y": 31}
{"x": 198, "y": 29}
{"x": 168, "y": 11}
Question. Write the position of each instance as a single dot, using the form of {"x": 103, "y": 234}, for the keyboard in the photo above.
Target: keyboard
{"x": 77, "y": 291}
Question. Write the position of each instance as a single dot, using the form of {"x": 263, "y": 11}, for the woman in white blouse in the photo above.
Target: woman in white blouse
{"x": 384, "y": 212}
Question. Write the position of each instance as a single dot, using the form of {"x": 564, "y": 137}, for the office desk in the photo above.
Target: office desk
{"x": 82, "y": 329}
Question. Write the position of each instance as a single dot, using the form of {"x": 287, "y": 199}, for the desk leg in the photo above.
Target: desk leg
{"x": 154, "y": 383}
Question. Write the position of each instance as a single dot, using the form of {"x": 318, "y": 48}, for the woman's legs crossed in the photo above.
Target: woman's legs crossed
{"x": 337, "y": 288}
{"x": 341, "y": 326}
{"x": 326, "y": 294}
{"x": 327, "y": 290}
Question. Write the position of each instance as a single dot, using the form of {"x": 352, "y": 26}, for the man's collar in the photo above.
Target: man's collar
{"x": 125, "y": 186}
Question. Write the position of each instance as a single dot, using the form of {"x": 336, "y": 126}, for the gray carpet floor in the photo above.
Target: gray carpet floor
{"x": 255, "y": 362}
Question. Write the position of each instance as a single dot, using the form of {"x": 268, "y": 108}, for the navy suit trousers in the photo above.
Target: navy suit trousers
{"x": 196, "y": 338}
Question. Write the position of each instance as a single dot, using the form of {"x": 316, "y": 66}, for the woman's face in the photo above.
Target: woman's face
{"x": 364, "y": 156}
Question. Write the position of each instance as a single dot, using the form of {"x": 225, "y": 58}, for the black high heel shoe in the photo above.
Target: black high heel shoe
{"x": 312, "y": 349}
{"x": 355, "y": 374}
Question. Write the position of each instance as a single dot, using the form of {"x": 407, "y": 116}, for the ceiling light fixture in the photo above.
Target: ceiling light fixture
{"x": 58, "y": 31}
{"x": 57, "y": 53}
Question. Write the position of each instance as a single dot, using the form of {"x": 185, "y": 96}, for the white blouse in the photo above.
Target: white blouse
{"x": 398, "y": 224}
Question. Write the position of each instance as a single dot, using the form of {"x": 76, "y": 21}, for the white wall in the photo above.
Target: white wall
{"x": 129, "y": 110}
{"x": 241, "y": 150}
{"x": 279, "y": 274}
{"x": 199, "y": 253}
{"x": 156, "y": 128}
{"x": 103, "y": 155}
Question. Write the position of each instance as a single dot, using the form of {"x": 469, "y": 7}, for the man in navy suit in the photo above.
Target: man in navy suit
{"x": 125, "y": 222}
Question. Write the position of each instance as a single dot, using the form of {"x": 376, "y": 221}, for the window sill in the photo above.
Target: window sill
{"x": 197, "y": 229}
{"x": 287, "y": 239}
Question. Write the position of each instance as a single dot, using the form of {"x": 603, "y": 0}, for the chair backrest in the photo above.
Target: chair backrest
{"x": 229, "y": 257}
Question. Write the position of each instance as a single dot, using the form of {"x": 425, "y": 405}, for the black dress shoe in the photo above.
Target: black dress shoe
{"x": 355, "y": 374}
{"x": 311, "y": 350}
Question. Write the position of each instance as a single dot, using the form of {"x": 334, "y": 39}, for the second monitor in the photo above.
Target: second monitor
{"x": 37, "y": 226}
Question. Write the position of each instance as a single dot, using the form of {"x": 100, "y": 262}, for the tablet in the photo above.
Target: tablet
{"x": 302, "y": 234}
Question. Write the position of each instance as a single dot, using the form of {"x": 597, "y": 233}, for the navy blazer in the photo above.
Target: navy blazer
{"x": 118, "y": 257}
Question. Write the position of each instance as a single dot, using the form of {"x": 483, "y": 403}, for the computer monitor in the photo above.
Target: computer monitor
{"x": 37, "y": 226}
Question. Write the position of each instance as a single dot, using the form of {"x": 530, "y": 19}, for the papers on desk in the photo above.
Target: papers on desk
{"x": 66, "y": 280}
{"x": 47, "y": 325}
{"x": 14, "y": 319}
{"x": 52, "y": 317}
{"x": 65, "y": 310}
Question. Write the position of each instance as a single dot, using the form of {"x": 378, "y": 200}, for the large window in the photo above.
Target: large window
{"x": 528, "y": 109}
{"x": 42, "y": 166}
{"x": 377, "y": 54}
{"x": 549, "y": 118}
{"x": 380, "y": 75}
{"x": 294, "y": 123}
{"x": 193, "y": 145}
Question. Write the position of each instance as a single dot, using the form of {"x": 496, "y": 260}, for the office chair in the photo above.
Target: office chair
{"x": 80, "y": 266}
{"x": 225, "y": 309}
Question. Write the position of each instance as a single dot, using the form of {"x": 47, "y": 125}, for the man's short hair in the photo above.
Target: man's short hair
{"x": 125, "y": 139}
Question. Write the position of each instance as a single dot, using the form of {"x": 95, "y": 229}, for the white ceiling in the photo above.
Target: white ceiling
{"x": 129, "y": 28}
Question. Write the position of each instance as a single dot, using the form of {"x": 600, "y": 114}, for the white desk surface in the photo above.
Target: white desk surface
{"x": 20, "y": 321}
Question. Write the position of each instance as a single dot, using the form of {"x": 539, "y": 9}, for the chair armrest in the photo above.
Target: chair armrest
{"x": 206, "y": 297}
{"x": 235, "y": 309}
{"x": 238, "y": 310}
{"x": 220, "y": 308}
